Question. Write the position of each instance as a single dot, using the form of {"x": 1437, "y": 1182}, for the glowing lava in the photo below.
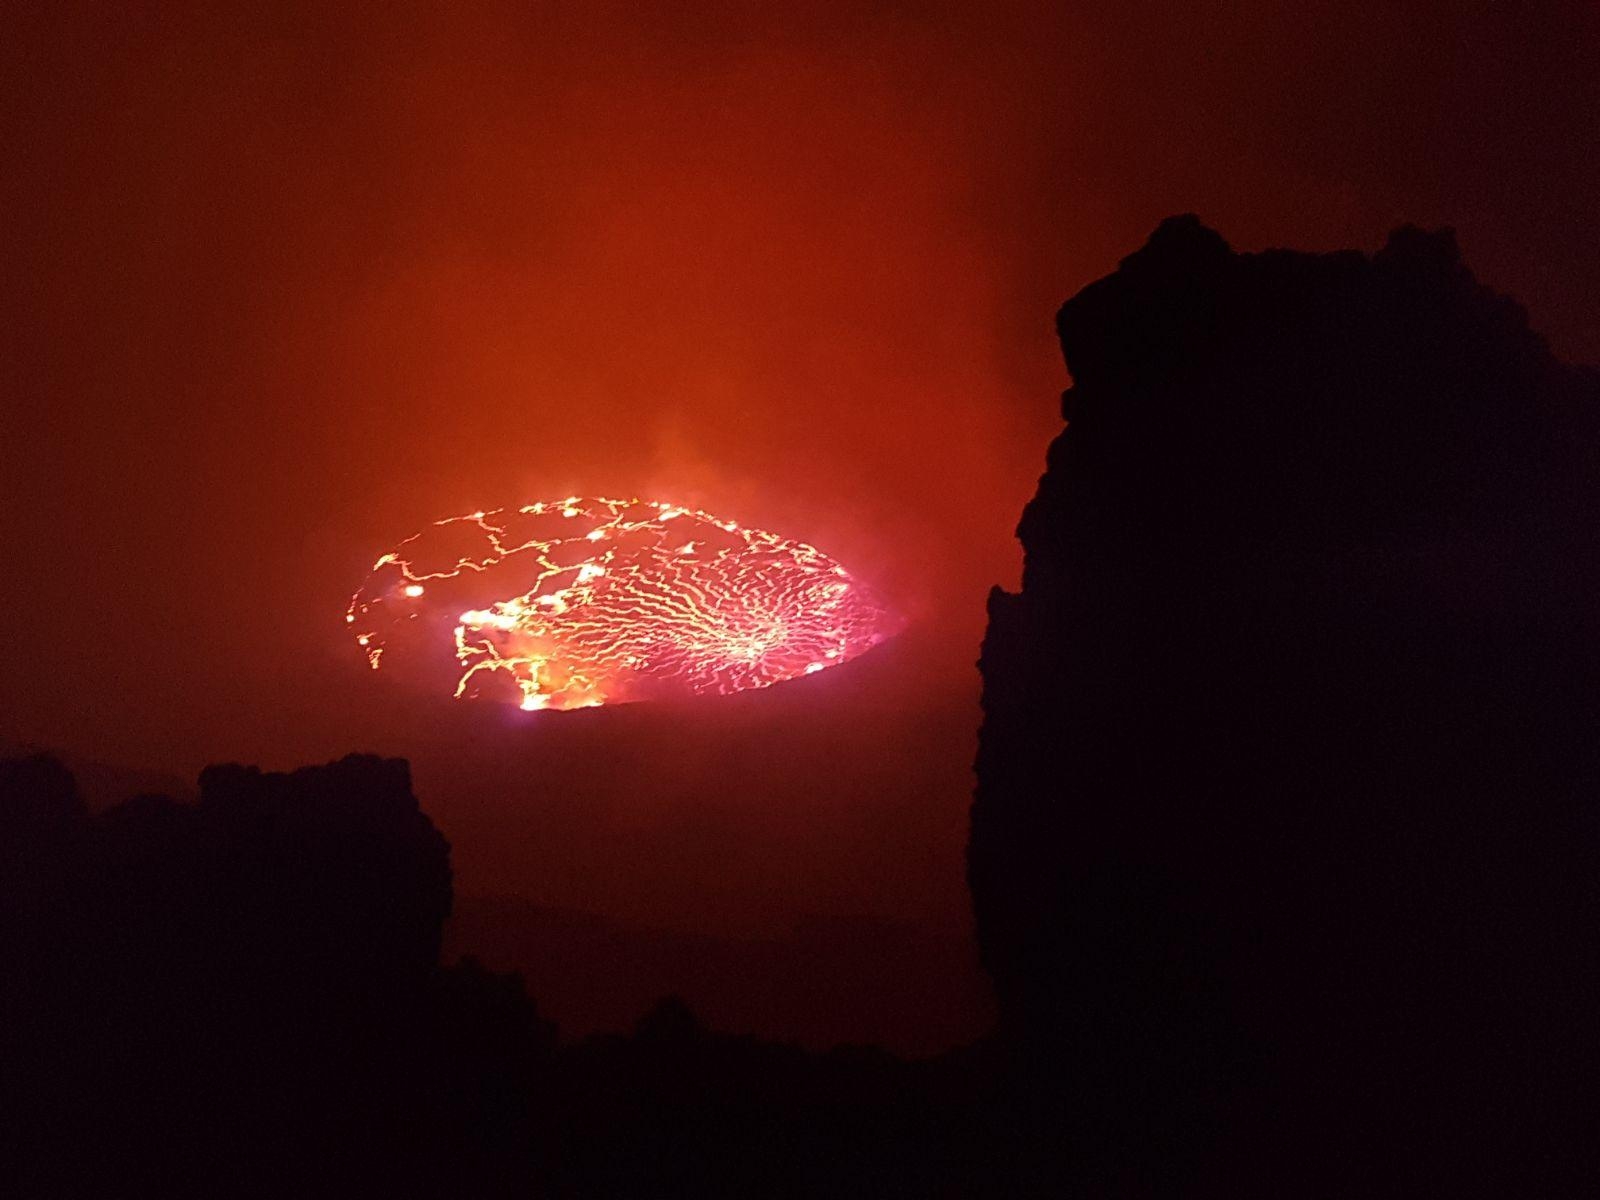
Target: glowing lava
{"x": 583, "y": 602}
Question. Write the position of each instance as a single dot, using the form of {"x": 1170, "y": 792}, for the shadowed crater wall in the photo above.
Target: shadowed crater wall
{"x": 1284, "y": 846}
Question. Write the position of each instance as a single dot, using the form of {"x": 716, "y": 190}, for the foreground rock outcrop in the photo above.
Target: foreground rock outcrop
{"x": 237, "y": 996}
{"x": 1286, "y": 842}
{"x": 241, "y": 996}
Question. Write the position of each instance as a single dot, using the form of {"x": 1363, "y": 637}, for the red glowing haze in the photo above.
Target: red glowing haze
{"x": 287, "y": 282}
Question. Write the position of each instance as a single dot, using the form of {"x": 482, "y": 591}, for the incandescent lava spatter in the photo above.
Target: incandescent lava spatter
{"x": 581, "y": 602}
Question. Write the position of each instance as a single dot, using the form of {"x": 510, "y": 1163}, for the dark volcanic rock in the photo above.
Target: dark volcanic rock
{"x": 233, "y": 997}
{"x": 360, "y": 875}
{"x": 1284, "y": 849}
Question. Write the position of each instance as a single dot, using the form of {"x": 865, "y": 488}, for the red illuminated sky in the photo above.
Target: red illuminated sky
{"x": 280, "y": 289}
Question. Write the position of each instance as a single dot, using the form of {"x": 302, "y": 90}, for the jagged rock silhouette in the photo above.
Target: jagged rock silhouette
{"x": 196, "y": 994}
{"x": 1284, "y": 846}
{"x": 241, "y": 997}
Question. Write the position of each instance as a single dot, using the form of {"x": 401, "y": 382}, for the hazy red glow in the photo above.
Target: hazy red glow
{"x": 575, "y": 603}
{"x": 285, "y": 279}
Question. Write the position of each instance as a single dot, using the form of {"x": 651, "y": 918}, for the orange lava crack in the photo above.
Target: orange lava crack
{"x": 583, "y": 602}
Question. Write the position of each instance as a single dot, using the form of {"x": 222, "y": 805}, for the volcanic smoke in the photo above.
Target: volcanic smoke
{"x": 576, "y": 603}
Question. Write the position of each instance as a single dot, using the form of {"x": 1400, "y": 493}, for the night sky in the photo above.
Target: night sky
{"x": 280, "y": 289}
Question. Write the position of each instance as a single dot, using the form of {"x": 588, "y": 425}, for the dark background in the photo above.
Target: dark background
{"x": 281, "y": 288}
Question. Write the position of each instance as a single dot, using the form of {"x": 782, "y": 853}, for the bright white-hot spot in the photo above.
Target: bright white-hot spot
{"x": 580, "y": 602}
